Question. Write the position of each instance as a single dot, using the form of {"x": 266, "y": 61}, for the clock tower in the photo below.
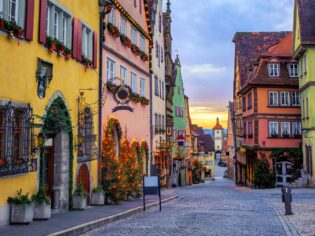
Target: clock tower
{"x": 218, "y": 139}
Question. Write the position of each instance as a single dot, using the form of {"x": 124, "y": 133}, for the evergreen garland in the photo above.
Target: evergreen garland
{"x": 144, "y": 152}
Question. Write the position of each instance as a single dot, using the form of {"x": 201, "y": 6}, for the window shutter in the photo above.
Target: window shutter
{"x": 75, "y": 39}
{"x": 29, "y": 25}
{"x": 42, "y": 21}
{"x": 79, "y": 41}
{"x": 95, "y": 50}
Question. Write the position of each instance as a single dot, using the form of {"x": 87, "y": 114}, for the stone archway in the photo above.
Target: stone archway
{"x": 57, "y": 155}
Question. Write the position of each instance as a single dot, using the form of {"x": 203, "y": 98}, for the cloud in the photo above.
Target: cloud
{"x": 202, "y": 69}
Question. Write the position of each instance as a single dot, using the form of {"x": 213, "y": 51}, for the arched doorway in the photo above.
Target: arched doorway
{"x": 56, "y": 155}
{"x": 83, "y": 178}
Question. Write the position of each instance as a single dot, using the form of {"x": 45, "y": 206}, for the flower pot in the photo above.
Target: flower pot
{"x": 98, "y": 198}
{"x": 79, "y": 202}
{"x": 42, "y": 211}
{"x": 21, "y": 214}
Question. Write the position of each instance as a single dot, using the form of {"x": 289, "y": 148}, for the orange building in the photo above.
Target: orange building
{"x": 271, "y": 106}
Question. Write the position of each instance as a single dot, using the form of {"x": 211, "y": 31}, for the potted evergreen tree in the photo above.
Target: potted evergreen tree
{"x": 79, "y": 198}
{"x": 21, "y": 208}
{"x": 98, "y": 196}
{"x": 42, "y": 208}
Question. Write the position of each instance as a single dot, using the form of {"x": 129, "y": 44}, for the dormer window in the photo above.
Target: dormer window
{"x": 293, "y": 70}
{"x": 274, "y": 70}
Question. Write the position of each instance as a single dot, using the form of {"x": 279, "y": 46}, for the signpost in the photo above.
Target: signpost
{"x": 151, "y": 186}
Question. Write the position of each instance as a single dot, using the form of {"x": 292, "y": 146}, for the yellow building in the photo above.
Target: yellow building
{"x": 304, "y": 52}
{"x": 49, "y": 77}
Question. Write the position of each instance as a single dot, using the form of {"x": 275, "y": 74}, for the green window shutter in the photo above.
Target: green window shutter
{"x": 69, "y": 33}
{"x": 21, "y": 13}
{"x": 6, "y": 9}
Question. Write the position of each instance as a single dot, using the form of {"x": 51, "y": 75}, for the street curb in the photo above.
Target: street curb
{"x": 288, "y": 227}
{"x": 83, "y": 228}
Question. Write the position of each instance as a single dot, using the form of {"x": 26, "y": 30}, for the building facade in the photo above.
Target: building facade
{"x": 304, "y": 53}
{"x": 179, "y": 128}
{"x": 271, "y": 108}
{"x": 158, "y": 93}
{"x": 248, "y": 46}
{"x": 126, "y": 72}
{"x": 188, "y": 145}
{"x": 48, "y": 116}
{"x": 230, "y": 152}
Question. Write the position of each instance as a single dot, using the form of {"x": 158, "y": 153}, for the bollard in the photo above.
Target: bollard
{"x": 287, "y": 199}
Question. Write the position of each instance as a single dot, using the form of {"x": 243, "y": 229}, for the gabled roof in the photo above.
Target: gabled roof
{"x": 306, "y": 10}
{"x": 283, "y": 48}
{"x": 197, "y": 129}
{"x": 249, "y": 45}
{"x": 217, "y": 125}
{"x": 207, "y": 142}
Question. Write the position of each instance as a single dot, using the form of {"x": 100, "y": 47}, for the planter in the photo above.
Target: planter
{"x": 21, "y": 214}
{"x": 98, "y": 198}
{"x": 42, "y": 211}
{"x": 79, "y": 202}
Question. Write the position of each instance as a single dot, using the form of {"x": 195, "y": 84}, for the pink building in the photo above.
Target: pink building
{"x": 126, "y": 70}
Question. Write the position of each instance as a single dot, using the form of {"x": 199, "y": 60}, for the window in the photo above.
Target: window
{"x": 13, "y": 10}
{"x": 294, "y": 70}
{"x": 274, "y": 70}
{"x": 159, "y": 58}
{"x": 140, "y": 6}
{"x": 1, "y": 8}
{"x": 142, "y": 43}
{"x": 178, "y": 89}
{"x": 273, "y": 98}
{"x": 296, "y": 128}
{"x": 2, "y": 133}
{"x": 306, "y": 108}
{"x": 123, "y": 74}
{"x": 296, "y": 99}
{"x": 133, "y": 82}
{"x": 110, "y": 69}
{"x": 123, "y": 25}
{"x": 250, "y": 129}
{"x": 163, "y": 93}
{"x": 160, "y": 22}
{"x": 285, "y": 98}
{"x": 133, "y": 35}
{"x": 135, "y": 3}
{"x": 285, "y": 129}
{"x": 244, "y": 103}
{"x": 160, "y": 88}
{"x": 273, "y": 129}
{"x": 162, "y": 55}
{"x": 59, "y": 25}
{"x": 249, "y": 98}
{"x": 87, "y": 42}
{"x": 111, "y": 17}
{"x": 156, "y": 86}
{"x": 142, "y": 87}
{"x": 303, "y": 110}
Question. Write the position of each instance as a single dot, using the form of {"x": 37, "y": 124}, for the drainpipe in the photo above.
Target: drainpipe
{"x": 151, "y": 126}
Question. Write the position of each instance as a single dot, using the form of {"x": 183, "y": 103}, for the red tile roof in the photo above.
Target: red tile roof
{"x": 249, "y": 45}
{"x": 217, "y": 125}
{"x": 306, "y": 9}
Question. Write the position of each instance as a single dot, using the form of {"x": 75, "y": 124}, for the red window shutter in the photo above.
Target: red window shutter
{"x": 79, "y": 42}
{"x": 29, "y": 24}
{"x": 42, "y": 21}
{"x": 75, "y": 38}
{"x": 95, "y": 50}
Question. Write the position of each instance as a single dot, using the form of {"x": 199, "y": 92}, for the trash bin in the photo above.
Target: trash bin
{"x": 56, "y": 199}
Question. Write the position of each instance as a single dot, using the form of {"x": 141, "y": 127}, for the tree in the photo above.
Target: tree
{"x": 262, "y": 176}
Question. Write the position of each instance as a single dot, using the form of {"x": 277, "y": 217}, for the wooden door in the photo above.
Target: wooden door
{"x": 48, "y": 170}
{"x": 84, "y": 178}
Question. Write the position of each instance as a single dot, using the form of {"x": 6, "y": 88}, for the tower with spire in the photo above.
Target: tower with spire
{"x": 218, "y": 138}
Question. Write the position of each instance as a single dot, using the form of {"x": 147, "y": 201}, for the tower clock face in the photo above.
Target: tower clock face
{"x": 218, "y": 138}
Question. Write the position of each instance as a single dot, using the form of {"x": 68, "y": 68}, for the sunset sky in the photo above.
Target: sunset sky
{"x": 202, "y": 35}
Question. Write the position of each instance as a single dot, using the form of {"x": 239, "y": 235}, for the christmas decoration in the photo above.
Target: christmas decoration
{"x": 143, "y": 56}
{"x": 125, "y": 40}
{"x": 113, "y": 30}
{"x": 135, "y": 49}
{"x": 58, "y": 47}
{"x": 111, "y": 167}
{"x": 144, "y": 154}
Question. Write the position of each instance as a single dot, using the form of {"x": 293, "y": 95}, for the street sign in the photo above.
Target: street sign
{"x": 151, "y": 186}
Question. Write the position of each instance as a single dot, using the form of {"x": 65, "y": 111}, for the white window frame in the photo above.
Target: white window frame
{"x": 110, "y": 69}
{"x": 273, "y": 69}
{"x": 294, "y": 71}
{"x": 142, "y": 87}
{"x": 296, "y": 99}
{"x": 1, "y": 9}
{"x": 296, "y": 126}
{"x": 142, "y": 43}
{"x": 123, "y": 72}
{"x": 56, "y": 24}
{"x": 275, "y": 98}
{"x": 156, "y": 86}
{"x": 48, "y": 17}
{"x": 87, "y": 42}
{"x": 123, "y": 25}
{"x": 111, "y": 17}
{"x": 64, "y": 29}
{"x": 133, "y": 82}
{"x": 285, "y": 98}
{"x": 271, "y": 128}
{"x": 133, "y": 35}
{"x": 16, "y": 13}
{"x": 285, "y": 126}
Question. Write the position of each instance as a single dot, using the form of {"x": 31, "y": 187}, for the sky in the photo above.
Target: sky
{"x": 202, "y": 33}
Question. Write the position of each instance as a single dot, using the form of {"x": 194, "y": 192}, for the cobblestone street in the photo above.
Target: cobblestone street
{"x": 213, "y": 208}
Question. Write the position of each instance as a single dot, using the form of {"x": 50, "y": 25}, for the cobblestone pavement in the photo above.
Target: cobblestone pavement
{"x": 213, "y": 208}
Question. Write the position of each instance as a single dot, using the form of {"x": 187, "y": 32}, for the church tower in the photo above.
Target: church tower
{"x": 218, "y": 139}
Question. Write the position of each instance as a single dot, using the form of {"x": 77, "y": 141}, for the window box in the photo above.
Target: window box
{"x": 11, "y": 28}
{"x": 297, "y": 136}
{"x": 135, "y": 49}
{"x": 58, "y": 47}
{"x": 285, "y": 136}
{"x": 250, "y": 136}
{"x": 143, "y": 56}
{"x": 274, "y": 136}
{"x": 125, "y": 40}
{"x": 113, "y": 30}
{"x": 87, "y": 63}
